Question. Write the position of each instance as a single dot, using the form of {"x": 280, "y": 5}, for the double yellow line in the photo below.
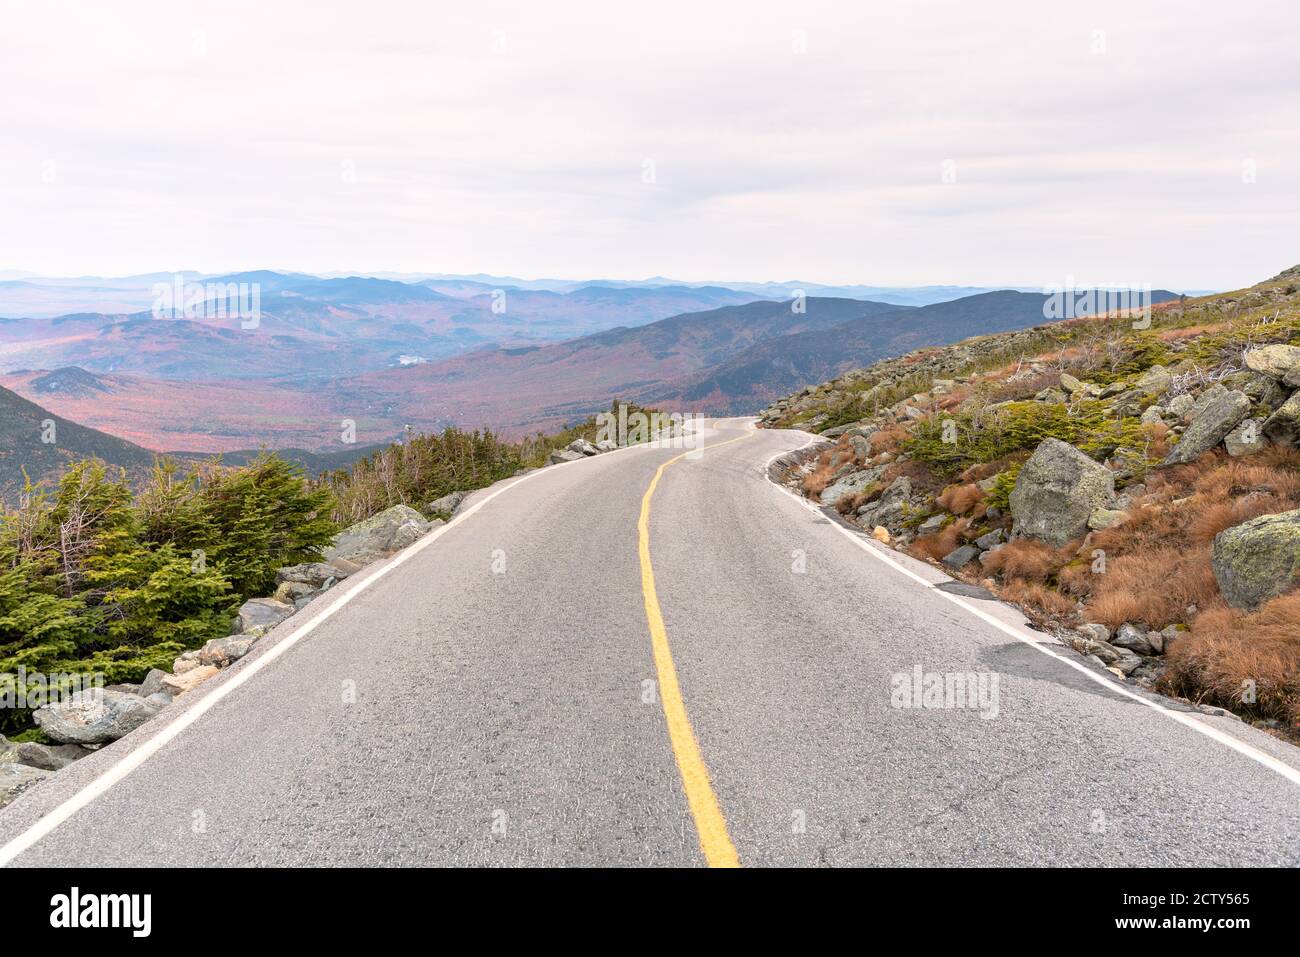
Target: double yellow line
{"x": 709, "y": 822}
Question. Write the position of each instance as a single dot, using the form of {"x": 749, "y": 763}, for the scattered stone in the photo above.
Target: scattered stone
{"x": 606, "y": 445}
{"x": 1106, "y": 518}
{"x": 1246, "y": 439}
{"x": 177, "y": 685}
{"x": 880, "y": 534}
{"x": 1258, "y": 559}
{"x": 221, "y": 652}
{"x": 1283, "y": 426}
{"x": 1277, "y": 362}
{"x": 560, "y": 456}
{"x": 582, "y": 447}
{"x": 1152, "y": 416}
{"x": 990, "y": 539}
{"x": 1181, "y": 406}
{"x": 390, "y": 531}
{"x": 1215, "y": 419}
{"x": 1056, "y": 492}
{"x": 290, "y": 592}
{"x": 49, "y": 757}
{"x": 961, "y": 557}
{"x": 850, "y": 484}
{"x": 1155, "y": 381}
{"x": 932, "y": 524}
{"x": 17, "y": 778}
{"x": 889, "y": 508}
{"x": 261, "y": 613}
{"x": 152, "y": 683}
{"x": 186, "y": 662}
{"x": 94, "y": 717}
{"x": 446, "y": 505}
{"x": 314, "y": 574}
{"x": 1096, "y": 631}
{"x": 1134, "y": 638}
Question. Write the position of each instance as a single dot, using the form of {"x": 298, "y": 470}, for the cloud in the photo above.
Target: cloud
{"x": 807, "y": 141}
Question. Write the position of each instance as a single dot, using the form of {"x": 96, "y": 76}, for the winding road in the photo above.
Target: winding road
{"x": 650, "y": 658}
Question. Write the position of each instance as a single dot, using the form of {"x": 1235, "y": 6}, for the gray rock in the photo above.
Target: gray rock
{"x": 261, "y": 613}
{"x": 1217, "y": 417}
{"x": 313, "y": 574}
{"x": 1096, "y": 631}
{"x": 890, "y": 509}
{"x": 152, "y": 683}
{"x": 1277, "y": 362}
{"x": 49, "y": 757}
{"x": 1152, "y": 416}
{"x": 1134, "y": 638}
{"x": 932, "y": 524}
{"x": 989, "y": 539}
{"x": 1246, "y": 439}
{"x": 17, "y": 778}
{"x": 606, "y": 445}
{"x": 1105, "y": 518}
{"x": 290, "y": 592}
{"x": 390, "y": 531}
{"x": 960, "y": 557}
{"x": 221, "y": 652}
{"x": 563, "y": 455}
{"x": 1283, "y": 426}
{"x": 1181, "y": 406}
{"x": 94, "y": 717}
{"x": 1259, "y": 388}
{"x": 161, "y": 698}
{"x": 1257, "y": 560}
{"x": 582, "y": 447}
{"x": 446, "y": 505}
{"x": 1155, "y": 381}
{"x": 851, "y": 484}
{"x": 1057, "y": 490}
{"x": 1107, "y": 653}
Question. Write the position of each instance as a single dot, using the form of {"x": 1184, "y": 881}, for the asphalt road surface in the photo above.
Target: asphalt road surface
{"x": 500, "y": 694}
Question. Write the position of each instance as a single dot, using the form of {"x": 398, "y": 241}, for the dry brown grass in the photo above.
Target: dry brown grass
{"x": 1226, "y": 648}
{"x": 889, "y": 439}
{"x": 1039, "y": 598}
{"x": 815, "y": 482}
{"x": 960, "y": 499}
{"x": 1028, "y": 561}
{"x": 939, "y": 544}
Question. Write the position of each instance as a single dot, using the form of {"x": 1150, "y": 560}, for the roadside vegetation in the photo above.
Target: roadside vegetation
{"x": 1134, "y": 539}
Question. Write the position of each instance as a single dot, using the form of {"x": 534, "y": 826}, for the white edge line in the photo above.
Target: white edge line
{"x": 46, "y": 824}
{"x": 1196, "y": 723}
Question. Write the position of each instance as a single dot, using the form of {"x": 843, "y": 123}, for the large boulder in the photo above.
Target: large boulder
{"x": 313, "y": 574}
{"x": 220, "y": 652}
{"x": 95, "y": 716}
{"x": 582, "y": 447}
{"x": 1257, "y": 560}
{"x": 49, "y": 757}
{"x": 380, "y": 535}
{"x": 1277, "y": 362}
{"x": 851, "y": 484}
{"x": 1283, "y": 426}
{"x": 560, "y": 456}
{"x": 177, "y": 685}
{"x": 1246, "y": 439}
{"x": 446, "y": 505}
{"x": 1056, "y": 492}
{"x": 1211, "y": 423}
{"x": 17, "y": 778}
{"x": 261, "y": 613}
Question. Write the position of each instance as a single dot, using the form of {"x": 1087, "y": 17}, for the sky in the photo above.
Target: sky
{"x": 899, "y": 143}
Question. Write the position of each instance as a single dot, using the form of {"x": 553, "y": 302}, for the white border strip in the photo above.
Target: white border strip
{"x": 100, "y": 785}
{"x": 1197, "y": 724}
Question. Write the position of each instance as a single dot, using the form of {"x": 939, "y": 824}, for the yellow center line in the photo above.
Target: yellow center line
{"x": 709, "y": 822}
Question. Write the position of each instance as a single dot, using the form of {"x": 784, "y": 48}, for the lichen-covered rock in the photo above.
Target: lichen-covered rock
{"x": 1211, "y": 422}
{"x": 94, "y": 717}
{"x": 261, "y": 613}
{"x": 1246, "y": 439}
{"x": 1257, "y": 560}
{"x": 1279, "y": 362}
{"x": 380, "y": 535}
{"x": 17, "y": 778}
{"x": 1283, "y": 426}
{"x": 446, "y": 505}
{"x": 1056, "y": 492}
{"x": 851, "y": 484}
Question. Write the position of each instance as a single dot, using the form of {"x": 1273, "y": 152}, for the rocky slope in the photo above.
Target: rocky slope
{"x": 1132, "y": 483}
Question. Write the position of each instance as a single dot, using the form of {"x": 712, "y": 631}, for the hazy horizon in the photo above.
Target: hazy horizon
{"x": 933, "y": 144}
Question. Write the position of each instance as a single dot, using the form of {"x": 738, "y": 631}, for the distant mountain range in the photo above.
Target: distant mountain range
{"x": 372, "y": 355}
{"x": 37, "y": 444}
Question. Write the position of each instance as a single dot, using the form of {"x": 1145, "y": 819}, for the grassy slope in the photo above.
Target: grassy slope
{"x": 1158, "y": 572}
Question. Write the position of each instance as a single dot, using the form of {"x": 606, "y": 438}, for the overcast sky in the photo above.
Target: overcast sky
{"x": 871, "y": 142}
